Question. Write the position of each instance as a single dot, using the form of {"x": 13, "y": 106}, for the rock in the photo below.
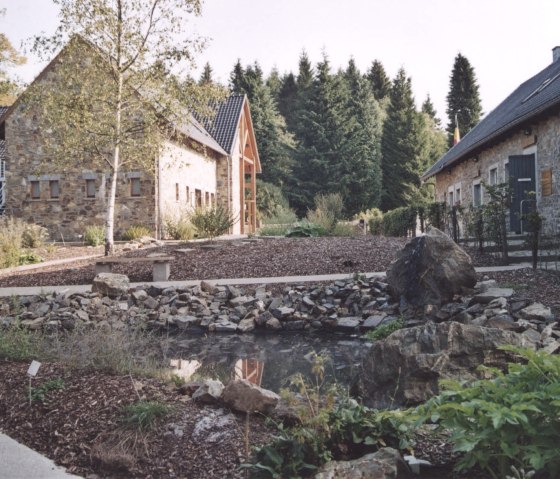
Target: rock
{"x": 347, "y": 324}
{"x": 243, "y": 396}
{"x": 210, "y": 392}
{"x": 537, "y": 311}
{"x": 189, "y": 388}
{"x": 386, "y": 463}
{"x": 150, "y": 303}
{"x": 405, "y": 368}
{"x": 215, "y": 427}
{"x": 483, "y": 286}
{"x": 185, "y": 322}
{"x": 373, "y": 321}
{"x": 223, "y": 327}
{"x": 111, "y": 284}
{"x": 283, "y": 312}
{"x": 431, "y": 269}
{"x": 273, "y": 324}
{"x": 552, "y": 347}
{"x": 246, "y": 325}
{"x": 208, "y": 287}
{"x": 139, "y": 295}
{"x": 492, "y": 294}
{"x": 263, "y": 318}
{"x": 33, "y": 324}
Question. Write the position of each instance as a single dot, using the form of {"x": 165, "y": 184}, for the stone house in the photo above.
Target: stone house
{"x": 517, "y": 142}
{"x": 199, "y": 166}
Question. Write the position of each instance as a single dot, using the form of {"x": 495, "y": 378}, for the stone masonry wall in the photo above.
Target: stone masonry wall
{"x": 544, "y": 142}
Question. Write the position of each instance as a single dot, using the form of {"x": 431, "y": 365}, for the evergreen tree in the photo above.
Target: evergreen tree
{"x": 463, "y": 99}
{"x": 379, "y": 81}
{"x": 359, "y": 167}
{"x": 286, "y": 100}
{"x": 399, "y": 144}
{"x": 206, "y": 75}
{"x": 275, "y": 145}
{"x": 320, "y": 132}
{"x": 429, "y": 109}
{"x": 274, "y": 84}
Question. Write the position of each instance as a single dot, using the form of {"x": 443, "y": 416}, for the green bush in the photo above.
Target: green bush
{"x": 179, "y": 228}
{"x": 274, "y": 230}
{"x": 344, "y": 229}
{"x": 305, "y": 229}
{"x": 18, "y": 343}
{"x": 143, "y": 415}
{"x": 400, "y": 222}
{"x": 34, "y": 236}
{"x": 136, "y": 232}
{"x": 29, "y": 257}
{"x": 39, "y": 393}
{"x": 375, "y": 225}
{"x": 212, "y": 222}
{"x": 270, "y": 200}
{"x": 384, "y": 330}
{"x": 511, "y": 419}
{"x": 94, "y": 235}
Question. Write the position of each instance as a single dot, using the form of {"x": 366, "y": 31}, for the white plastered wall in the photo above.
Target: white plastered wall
{"x": 235, "y": 187}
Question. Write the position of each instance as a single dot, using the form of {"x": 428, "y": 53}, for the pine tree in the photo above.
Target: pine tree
{"x": 429, "y": 109}
{"x": 463, "y": 99}
{"x": 274, "y": 144}
{"x": 286, "y": 100}
{"x": 206, "y": 75}
{"x": 399, "y": 144}
{"x": 359, "y": 168}
{"x": 379, "y": 81}
{"x": 274, "y": 84}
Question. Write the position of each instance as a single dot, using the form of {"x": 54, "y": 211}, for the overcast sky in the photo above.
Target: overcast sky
{"x": 507, "y": 41}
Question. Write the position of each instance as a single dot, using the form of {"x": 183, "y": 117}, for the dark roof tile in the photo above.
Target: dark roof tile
{"x": 531, "y": 98}
{"x": 224, "y": 126}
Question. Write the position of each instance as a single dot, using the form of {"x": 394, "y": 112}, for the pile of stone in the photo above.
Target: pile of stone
{"x": 143, "y": 242}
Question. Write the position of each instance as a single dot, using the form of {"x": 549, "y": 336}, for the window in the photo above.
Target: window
{"x": 35, "y": 190}
{"x": 54, "y": 189}
{"x": 135, "y": 189}
{"x": 493, "y": 176}
{"x": 90, "y": 188}
{"x": 450, "y": 198}
{"x": 477, "y": 195}
{"x": 198, "y": 198}
{"x": 458, "y": 196}
{"x": 188, "y": 195}
{"x": 207, "y": 199}
{"x": 212, "y": 200}
{"x": 176, "y": 191}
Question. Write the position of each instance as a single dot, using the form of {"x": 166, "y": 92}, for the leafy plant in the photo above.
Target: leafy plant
{"x": 344, "y": 229}
{"x": 328, "y": 211}
{"x": 39, "y": 393}
{"x": 143, "y": 415}
{"x": 329, "y": 427}
{"x": 18, "y": 343}
{"x": 384, "y": 330}
{"x": 511, "y": 419}
{"x": 400, "y": 222}
{"x": 212, "y": 222}
{"x": 94, "y": 235}
{"x": 29, "y": 257}
{"x": 11, "y": 241}
{"x": 270, "y": 199}
{"x": 274, "y": 230}
{"x": 136, "y": 232}
{"x": 178, "y": 228}
{"x": 305, "y": 229}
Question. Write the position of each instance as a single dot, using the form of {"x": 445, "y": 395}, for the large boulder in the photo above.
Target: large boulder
{"x": 430, "y": 270}
{"x": 110, "y": 284}
{"x": 405, "y": 368}
{"x": 243, "y": 396}
{"x": 386, "y": 463}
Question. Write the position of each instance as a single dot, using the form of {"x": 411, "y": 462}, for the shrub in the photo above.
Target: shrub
{"x": 34, "y": 236}
{"x": 94, "y": 235}
{"x": 384, "y": 330}
{"x": 375, "y": 225}
{"x": 143, "y": 415}
{"x": 270, "y": 200}
{"x": 29, "y": 257}
{"x": 11, "y": 241}
{"x": 328, "y": 211}
{"x": 283, "y": 216}
{"x": 212, "y": 222}
{"x": 274, "y": 230}
{"x": 511, "y": 419}
{"x": 18, "y": 343}
{"x": 344, "y": 229}
{"x": 178, "y": 228}
{"x": 305, "y": 229}
{"x": 136, "y": 232}
{"x": 400, "y": 222}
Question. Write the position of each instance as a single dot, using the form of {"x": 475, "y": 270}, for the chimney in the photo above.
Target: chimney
{"x": 555, "y": 54}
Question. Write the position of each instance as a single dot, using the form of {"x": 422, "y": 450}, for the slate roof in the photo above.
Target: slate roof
{"x": 224, "y": 126}
{"x": 194, "y": 130}
{"x": 531, "y": 98}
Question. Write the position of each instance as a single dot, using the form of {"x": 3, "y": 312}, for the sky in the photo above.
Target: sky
{"x": 506, "y": 41}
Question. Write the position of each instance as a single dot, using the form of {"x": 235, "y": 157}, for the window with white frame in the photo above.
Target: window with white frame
{"x": 477, "y": 194}
{"x": 493, "y": 175}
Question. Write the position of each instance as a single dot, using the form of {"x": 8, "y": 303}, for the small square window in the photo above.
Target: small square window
{"x": 188, "y": 195}
{"x": 176, "y": 191}
{"x": 212, "y": 200}
{"x": 54, "y": 189}
{"x": 90, "y": 188}
{"x": 35, "y": 190}
{"x": 198, "y": 198}
{"x": 135, "y": 189}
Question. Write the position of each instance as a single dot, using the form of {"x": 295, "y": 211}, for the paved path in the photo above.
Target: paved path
{"x": 19, "y": 462}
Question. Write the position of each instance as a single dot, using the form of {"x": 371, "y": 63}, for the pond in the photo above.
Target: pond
{"x": 265, "y": 359}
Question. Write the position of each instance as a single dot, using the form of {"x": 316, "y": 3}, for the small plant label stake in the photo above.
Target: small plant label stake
{"x": 32, "y": 372}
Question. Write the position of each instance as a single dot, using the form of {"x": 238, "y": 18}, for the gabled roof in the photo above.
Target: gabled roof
{"x": 537, "y": 95}
{"x": 224, "y": 126}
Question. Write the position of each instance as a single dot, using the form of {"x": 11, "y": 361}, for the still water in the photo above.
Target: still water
{"x": 264, "y": 359}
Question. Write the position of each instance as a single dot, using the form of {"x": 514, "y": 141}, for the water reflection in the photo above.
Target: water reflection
{"x": 245, "y": 356}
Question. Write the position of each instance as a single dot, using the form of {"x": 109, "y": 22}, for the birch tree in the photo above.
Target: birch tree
{"x": 119, "y": 86}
